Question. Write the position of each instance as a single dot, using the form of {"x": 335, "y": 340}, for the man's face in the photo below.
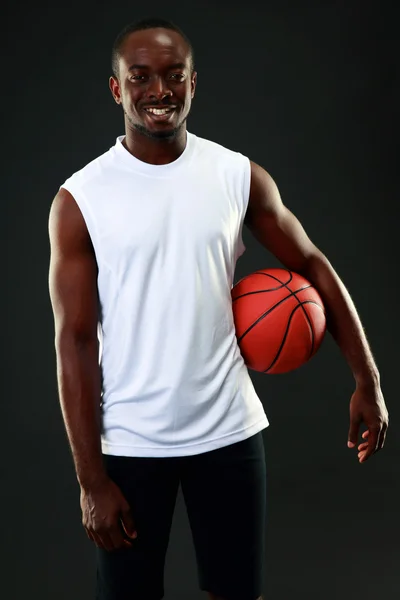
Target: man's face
{"x": 156, "y": 83}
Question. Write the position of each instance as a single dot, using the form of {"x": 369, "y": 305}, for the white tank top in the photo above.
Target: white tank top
{"x": 166, "y": 240}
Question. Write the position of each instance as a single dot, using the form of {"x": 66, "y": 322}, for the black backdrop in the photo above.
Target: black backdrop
{"x": 309, "y": 90}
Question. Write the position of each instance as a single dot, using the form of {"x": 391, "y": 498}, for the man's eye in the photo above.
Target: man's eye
{"x": 137, "y": 77}
{"x": 177, "y": 76}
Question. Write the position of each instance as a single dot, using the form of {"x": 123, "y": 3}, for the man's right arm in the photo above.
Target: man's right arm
{"x": 106, "y": 514}
{"x": 74, "y": 297}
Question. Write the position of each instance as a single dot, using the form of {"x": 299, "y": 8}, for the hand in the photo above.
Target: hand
{"x": 367, "y": 406}
{"x": 106, "y": 516}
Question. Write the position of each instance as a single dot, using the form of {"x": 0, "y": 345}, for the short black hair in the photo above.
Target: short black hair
{"x": 147, "y": 23}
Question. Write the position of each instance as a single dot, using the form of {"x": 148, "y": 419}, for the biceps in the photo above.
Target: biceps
{"x": 283, "y": 235}
{"x": 73, "y": 293}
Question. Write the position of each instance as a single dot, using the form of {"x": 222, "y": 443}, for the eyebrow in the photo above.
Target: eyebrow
{"x": 174, "y": 66}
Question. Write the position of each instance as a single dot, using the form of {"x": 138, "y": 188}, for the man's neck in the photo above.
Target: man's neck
{"x": 155, "y": 151}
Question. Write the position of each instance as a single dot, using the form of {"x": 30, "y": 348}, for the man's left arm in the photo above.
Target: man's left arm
{"x": 278, "y": 230}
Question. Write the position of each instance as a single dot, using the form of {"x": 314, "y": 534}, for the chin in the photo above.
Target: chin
{"x": 166, "y": 134}
{"x": 160, "y": 134}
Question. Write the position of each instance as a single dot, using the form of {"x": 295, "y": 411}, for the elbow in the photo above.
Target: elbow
{"x": 315, "y": 265}
{"x": 74, "y": 338}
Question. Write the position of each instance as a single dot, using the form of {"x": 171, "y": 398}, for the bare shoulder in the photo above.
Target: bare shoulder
{"x": 264, "y": 193}
{"x": 67, "y": 227}
{"x": 73, "y": 269}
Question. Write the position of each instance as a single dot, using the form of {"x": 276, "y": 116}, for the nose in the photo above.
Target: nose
{"x": 158, "y": 88}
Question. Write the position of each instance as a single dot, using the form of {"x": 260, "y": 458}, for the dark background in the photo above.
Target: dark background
{"x": 310, "y": 90}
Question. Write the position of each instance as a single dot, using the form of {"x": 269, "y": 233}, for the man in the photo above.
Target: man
{"x": 144, "y": 242}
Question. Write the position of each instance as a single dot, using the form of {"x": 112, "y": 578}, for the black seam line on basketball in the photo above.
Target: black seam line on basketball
{"x": 304, "y": 310}
{"x": 287, "y": 331}
{"x": 269, "y": 310}
{"x": 269, "y": 275}
{"x": 271, "y": 290}
{"x": 282, "y": 283}
{"x": 276, "y": 278}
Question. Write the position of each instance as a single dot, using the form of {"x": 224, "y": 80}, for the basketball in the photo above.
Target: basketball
{"x": 279, "y": 320}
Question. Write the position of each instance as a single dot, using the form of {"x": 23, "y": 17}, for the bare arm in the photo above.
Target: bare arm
{"x": 278, "y": 230}
{"x": 73, "y": 292}
{"x": 106, "y": 514}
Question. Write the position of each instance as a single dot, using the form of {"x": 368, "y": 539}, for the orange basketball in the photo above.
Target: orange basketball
{"x": 279, "y": 319}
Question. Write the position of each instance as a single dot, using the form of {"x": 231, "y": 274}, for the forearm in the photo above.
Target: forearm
{"x": 343, "y": 321}
{"x": 79, "y": 382}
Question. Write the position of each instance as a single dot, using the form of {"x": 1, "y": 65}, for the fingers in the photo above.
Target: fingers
{"x": 362, "y": 449}
{"x": 108, "y": 540}
{"x": 364, "y": 445}
{"x": 128, "y": 524}
{"x": 375, "y": 442}
{"x": 382, "y": 438}
{"x": 89, "y": 534}
{"x": 98, "y": 540}
{"x": 373, "y": 437}
{"x": 107, "y": 518}
{"x": 117, "y": 539}
{"x": 353, "y": 431}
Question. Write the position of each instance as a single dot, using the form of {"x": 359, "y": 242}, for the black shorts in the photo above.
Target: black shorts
{"x": 225, "y": 496}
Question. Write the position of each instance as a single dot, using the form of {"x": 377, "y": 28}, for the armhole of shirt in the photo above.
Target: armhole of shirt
{"x": 82, "y": 205}
{"x": 89, "y": 221}
{"x": 245, "y": 202}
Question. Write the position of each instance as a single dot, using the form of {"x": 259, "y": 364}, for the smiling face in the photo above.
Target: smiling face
{"x": 156, "y": 82}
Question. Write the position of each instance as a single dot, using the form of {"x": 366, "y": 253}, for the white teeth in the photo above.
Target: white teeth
{"x": 159, "y": 111}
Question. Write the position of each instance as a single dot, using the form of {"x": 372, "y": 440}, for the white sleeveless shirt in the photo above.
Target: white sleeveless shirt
{"x": 166, "y": 240}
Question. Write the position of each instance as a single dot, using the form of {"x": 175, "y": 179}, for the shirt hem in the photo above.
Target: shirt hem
{"x": 185, "y": 450}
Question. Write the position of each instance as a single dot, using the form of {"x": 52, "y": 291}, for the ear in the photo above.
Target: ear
{"x": 115, "y": 89}
{"x": 193, "y": 83}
